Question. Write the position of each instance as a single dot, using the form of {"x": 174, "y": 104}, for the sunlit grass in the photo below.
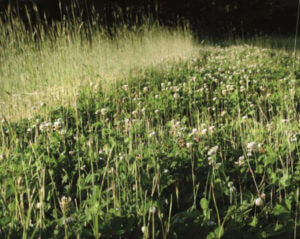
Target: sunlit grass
{"x": 51, "y": 70}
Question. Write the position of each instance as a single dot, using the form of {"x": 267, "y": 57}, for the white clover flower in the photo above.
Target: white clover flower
{"x": 45, "y": 126}
{"x": 144, "y": 229}
{"x": 251, "y": 146}
{"x": 103, "y": 111}
{"x": 57, "y": 124}
{"x": 64, "y": 203}
{"x": 125, "y": 87}
{"x": 152, "y": 134}
{"x": 194, "y": 131}
{"x": 230, "y": 184}
{"x": 152, "y": 209}
{"x": 166, "y": 171}
{"x": 31, "y": 224}
{"x": 189, "y": 145}
{"x": 211, "y": 128}
{"x": 134, "y": 113}
{"x": 259, "y": 202}
{"x": 156, "y": 111}
{"x": 176, "y": 95}
{"x": 213, "y": 150}
{"x": 193, "y": 79}
{"x": 211, "y": 160}
{"x": 156, "y": 96}
{"x": 63, "y": 132}
{"x": 240, "y": 161}
{"x": 230, "y": 87}
{"x": 145, "y": 89}
{"x": 143, "y": 110}
{"x": 244, "y": 117}
{"x": 38, "y": 205}
{"x": 162, "y": 85}
{"x": 177, "y": 124}
{"x": 223, "y": 113}
{"x": 262, "y": 88}
{"x": 203, "y": 132}
{"x": 175, "y": 88}
{"x": 111, "y": 170}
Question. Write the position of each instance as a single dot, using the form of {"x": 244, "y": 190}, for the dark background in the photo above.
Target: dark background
{"x": 212, "y": 17}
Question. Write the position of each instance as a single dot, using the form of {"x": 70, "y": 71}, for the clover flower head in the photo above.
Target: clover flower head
{"x": 144, "y": 229}
{"x": 259, "y": 202}
{"x": 125, "y": 87}
{"x": 213, "y": 150}
{"x": 240, "y": 161}
{"x": 152, "y": 209}
{"x": 152, "y": 134}
{"x": 194, "y": 131}
{"x": 176, "y": 95}
{"x": 103, "y": 111}
{"x": 251, "y": 146}
{"x": 45, "y": 126}
{"x": 64, "y": 203}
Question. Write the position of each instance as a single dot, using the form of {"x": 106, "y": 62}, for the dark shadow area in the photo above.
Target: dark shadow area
{"x": 215, "y": 18}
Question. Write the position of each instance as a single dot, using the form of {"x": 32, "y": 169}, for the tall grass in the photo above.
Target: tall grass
{"x": 48, "y": 66}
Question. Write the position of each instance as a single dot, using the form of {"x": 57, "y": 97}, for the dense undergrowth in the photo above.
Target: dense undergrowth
{"x": 206, "y": 149}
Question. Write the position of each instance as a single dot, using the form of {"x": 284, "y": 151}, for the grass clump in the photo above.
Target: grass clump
{"x": 207, "y": 149}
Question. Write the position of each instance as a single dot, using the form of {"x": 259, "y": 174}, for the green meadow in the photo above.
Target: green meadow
{"x": 150, "y": 133}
